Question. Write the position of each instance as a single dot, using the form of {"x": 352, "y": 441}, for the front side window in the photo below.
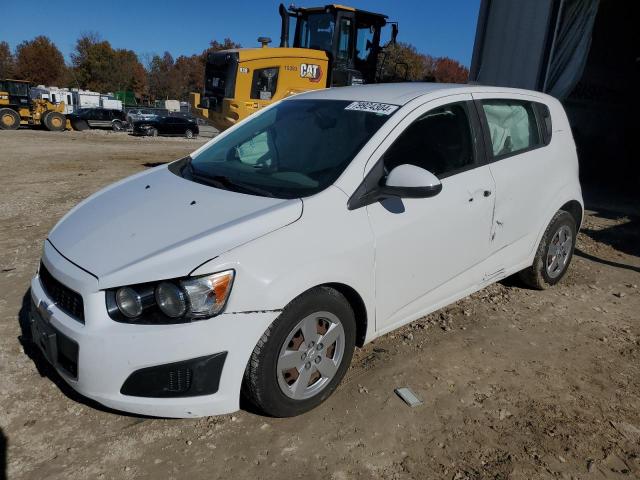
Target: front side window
{"x": 295, "y": 149}
{"x": 440, "y": 141}
{"x": 512, "y": 126}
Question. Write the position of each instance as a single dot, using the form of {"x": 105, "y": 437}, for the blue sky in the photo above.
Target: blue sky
{"x": 436, "y": 27}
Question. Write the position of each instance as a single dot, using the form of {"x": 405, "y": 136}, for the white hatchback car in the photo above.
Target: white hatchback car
{"x": 258, "y": 263}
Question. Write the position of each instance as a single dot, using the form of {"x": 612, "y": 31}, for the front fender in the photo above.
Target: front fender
{"x": 329, "y": 244}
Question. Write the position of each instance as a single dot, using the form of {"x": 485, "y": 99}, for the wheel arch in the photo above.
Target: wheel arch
{"x": 358, "y": 306}
{"x": 575, "y": 209}
{"x": 568, "y": 198}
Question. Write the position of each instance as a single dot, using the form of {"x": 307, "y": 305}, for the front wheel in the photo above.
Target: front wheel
{"x": 55, "y": 121}
{"x": 303, "y": 355}
{"x": 117, "y": 126}
{"x": 188, "y": 134}
{"x": 554, "y": 253}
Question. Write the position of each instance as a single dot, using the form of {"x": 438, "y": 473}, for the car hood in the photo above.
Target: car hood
{"x": 157, "y": 225}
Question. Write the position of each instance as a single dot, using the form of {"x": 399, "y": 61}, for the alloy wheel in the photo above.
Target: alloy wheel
{"x": 559, "y": 251}
{"x": 311, "y": 355}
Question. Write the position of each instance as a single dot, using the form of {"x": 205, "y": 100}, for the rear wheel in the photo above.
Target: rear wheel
{"x": 303, "y": 355}
{"x": 554, "y": 253}
{"x": 188, "y": 134}
{"x": 9, "y": 119}
{"x": 54, "y": 121}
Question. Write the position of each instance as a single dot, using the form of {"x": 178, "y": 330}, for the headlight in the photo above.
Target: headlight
{"x": 171, "y": 301}
{"x": 129, "y": 302}
{"x": 208, "y": 295}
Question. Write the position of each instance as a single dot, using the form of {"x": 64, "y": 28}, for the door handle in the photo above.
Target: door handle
{"x": 487, "y": 193}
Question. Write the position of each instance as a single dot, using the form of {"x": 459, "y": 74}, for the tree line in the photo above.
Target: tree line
{"x": 96, "y": 65}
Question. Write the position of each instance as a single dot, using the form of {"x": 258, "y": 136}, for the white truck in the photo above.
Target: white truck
{"x": 76, "y": 98}
{"x": 108, "y": 101}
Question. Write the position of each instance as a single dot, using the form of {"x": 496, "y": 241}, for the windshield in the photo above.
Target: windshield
{"x": 19, "y": 89}
{"x": 295, "y": 149}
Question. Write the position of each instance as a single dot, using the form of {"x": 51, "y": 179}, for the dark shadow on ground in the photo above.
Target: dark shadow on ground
{"x": 610, "y": 263}
{"x": 3, "y": 455}
{"x": 45, "y": 369}
{"x": 624, "y": 236}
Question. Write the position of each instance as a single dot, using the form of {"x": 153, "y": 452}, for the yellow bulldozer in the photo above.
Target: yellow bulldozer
{"x": 18, "y": 108}
{"x": 332, "y": 46}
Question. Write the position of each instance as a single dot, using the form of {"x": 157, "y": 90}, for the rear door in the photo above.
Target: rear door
{"x": 169, "y": 126}
{"x": 176, "y": 126}
{"x": 99, "y": 118}
{"x": 523, "y": 169}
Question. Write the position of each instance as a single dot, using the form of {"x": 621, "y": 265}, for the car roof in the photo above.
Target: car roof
{"x": 403, "y": 93}
{"x": 395, "y": 93}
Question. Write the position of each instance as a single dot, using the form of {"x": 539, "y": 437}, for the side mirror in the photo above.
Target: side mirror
{"x": 410, "y": 181}
{"x": 404, "y": 181}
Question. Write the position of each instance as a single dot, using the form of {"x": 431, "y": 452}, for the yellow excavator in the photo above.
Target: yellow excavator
{"x": 18, "y": 108}
{"x": 332, "y": 46}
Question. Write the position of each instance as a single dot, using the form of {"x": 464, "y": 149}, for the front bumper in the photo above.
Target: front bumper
{"x": 110, "y": 352}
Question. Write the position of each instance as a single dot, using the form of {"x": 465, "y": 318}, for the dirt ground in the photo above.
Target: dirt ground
{"x": 516, "y": 383}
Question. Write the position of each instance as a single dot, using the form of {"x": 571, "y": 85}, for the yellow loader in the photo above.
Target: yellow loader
{"x": 18, "y": 108}
{"x": 332, "y": 46}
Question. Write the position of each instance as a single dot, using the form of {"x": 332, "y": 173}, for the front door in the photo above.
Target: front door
{"x": 426, "y": 248}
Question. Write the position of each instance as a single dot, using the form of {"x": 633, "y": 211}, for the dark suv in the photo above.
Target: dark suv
{"x": 84, "y": 118}
{"x": 175, "y": 126}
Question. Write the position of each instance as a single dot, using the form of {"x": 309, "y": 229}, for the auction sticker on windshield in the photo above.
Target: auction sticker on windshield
{"x": 373, "y": 107}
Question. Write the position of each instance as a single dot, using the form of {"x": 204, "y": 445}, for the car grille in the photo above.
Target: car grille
{"x": 65, "y": 299}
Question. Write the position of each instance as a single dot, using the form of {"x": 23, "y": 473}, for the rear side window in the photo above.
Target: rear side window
{"x": 512, "y": 126}
{"x": 440, "y": 141}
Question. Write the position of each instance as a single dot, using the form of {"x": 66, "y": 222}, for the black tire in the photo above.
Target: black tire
{"x": 9, "y": 119}
{"x": 261, "y": 387}
{"x": 54, "y": 121}
{"x": 80, "y": 125}
{"x": 537, "y": 275}
{"x": 188, "y": 134}
{"x": 117, "y": 126}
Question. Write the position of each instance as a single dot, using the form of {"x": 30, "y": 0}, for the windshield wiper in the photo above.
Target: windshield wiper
{"x": 247, "y": 188}
{"x": 224, "y": 182}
